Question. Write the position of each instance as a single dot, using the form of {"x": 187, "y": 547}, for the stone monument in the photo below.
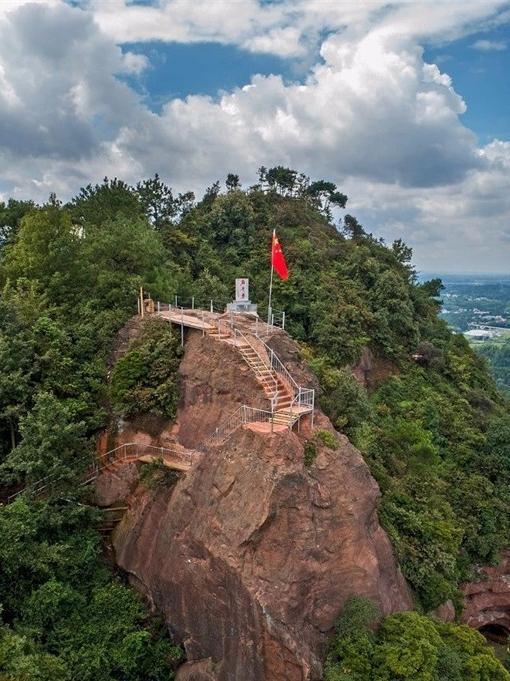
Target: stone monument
{"x": 242, "y": 301}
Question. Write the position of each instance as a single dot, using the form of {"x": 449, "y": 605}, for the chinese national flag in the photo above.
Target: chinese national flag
{"x": 278, "y": 259}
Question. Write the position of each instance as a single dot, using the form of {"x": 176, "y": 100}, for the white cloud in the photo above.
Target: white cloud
{"x": 287, "y": 27}
{"x": 457, "y": 227}
{"x": 490, "y": 45}
{"x": 371, "y": 115}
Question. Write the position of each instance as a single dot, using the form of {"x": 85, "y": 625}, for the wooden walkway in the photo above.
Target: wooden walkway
{"x": 176, "y": 464}
{"x": 191, "y": 321}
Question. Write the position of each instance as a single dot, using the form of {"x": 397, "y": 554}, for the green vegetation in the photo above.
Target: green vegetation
{"x": 310, "y": 453}
{"x": 327, "y": 438}
{"x": 69, "y": 617}
{"x": 68, "y": 285}
{"x": 434, "y": 428}
{"x": 144, "y": 380}
{"x": 407, "y": 647}
{"x": 497, "y": 353}
{"x": 156, "y": 475}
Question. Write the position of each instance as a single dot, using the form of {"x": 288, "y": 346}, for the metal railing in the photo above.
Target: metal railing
{"x": 303, "y": 397}
{"x": 275, "y": 318}
{"x": 272, "y": 366}
{"x": 130, "y": 451}
{"x": 245, "y": 414}
{"x": 239, "y": 335}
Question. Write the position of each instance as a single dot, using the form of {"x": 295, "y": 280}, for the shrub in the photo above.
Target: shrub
{"x": 310, "y": 453}
{"x": 145, "y": 379}
{"x": 327, "y": 438}
{"x": 407, "y": 647}
{"x": 156, "y": 474}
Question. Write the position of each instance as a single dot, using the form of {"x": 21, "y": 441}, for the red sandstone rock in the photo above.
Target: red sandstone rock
{"x": 487, "y": 601}
{"x": 252, "y": 555}
{"x": 370, "y": 371}
{"x": 445, "y": 612}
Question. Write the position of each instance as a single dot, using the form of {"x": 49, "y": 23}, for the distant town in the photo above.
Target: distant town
{"x": 478, "y": 306}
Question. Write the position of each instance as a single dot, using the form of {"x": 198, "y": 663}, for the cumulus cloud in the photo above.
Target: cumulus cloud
{"x": 371, "y": 114}
{"x": 490, "y": 45}
{"x": 287, "y": 27}
{"x": 457, "y": 227}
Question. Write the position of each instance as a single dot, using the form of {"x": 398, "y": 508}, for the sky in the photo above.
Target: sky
{"x": 405, "y": 105}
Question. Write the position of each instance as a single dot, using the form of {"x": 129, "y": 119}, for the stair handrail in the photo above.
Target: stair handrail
{"x": 303, "y": 397}
{"x": 241, "y": 416}
{"x": 238, "y": 333}
{"x": 274, "y": 362}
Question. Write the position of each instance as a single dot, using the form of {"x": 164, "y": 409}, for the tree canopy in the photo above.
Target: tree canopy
{"x": 429, "y": 421}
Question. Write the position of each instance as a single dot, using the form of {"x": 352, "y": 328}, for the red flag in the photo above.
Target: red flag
{"x": 278, "y": 259}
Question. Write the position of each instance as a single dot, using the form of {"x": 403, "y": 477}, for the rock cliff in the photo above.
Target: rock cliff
{"x": 252, "y": 554}
{"x": 487, "y": 601}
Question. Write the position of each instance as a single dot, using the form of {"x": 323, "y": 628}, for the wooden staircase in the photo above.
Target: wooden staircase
{"x": 284, "y": 410}
{"x": 289, "y": 401}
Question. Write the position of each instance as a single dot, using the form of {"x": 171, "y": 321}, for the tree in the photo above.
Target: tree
{"x": 232, "y": 182}
{"x": 116, "y": 256}
{"x": 47, "y": 252}
{"x": 402, "y": 252}
{"x": 279, "y": 179}
{"x": 353, "y": 228}
{"x": 157, "y": 202}
{"x": 145, "y": 379}
{"x": 53, "y": 441}
{"x": 99, "y": 203}
{"x": 11, "y": 214}
{"x": 323, "y": 194}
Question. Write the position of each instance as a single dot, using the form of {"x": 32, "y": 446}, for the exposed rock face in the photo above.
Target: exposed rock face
{"x": 487, "y": 602}
{"x": 252, "y": 555}
{"x": 370, "y": 371}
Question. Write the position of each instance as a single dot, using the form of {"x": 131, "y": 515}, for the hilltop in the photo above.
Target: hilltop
{"x": 412, "y": 397}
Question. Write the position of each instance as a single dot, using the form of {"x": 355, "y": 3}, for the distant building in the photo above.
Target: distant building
{"x": 480, "y": 334}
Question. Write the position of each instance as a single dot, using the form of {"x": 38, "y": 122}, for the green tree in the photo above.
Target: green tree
{"x": 157, "y": 201}
{"x": 100, "y": 203}
{"x": 11, "y": 214}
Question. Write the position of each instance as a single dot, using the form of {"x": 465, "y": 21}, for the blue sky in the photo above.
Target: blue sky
{"x": 178, "y": 70}
{"x": 482, "y": 77}
{"x": 404, "y": 105}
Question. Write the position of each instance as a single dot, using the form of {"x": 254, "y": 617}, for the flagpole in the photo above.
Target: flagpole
{"x": 271, "y": 280}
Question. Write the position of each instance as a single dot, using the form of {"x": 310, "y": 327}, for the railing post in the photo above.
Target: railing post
{"x": 159, "y": 306}
{"x": 192, "y": 302}
{"x": 283, "y": 320}
{"x": 211, "y": 306}
{"x": 272, "y": 319}
{"x": 182, "y": 326}
{"x": 176, "y": 303}
{"x": 203, "y": 324}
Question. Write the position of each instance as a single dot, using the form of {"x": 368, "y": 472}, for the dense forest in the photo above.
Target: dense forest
{"x": 498, "y": 356}
{"x": 434, "y": 429}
